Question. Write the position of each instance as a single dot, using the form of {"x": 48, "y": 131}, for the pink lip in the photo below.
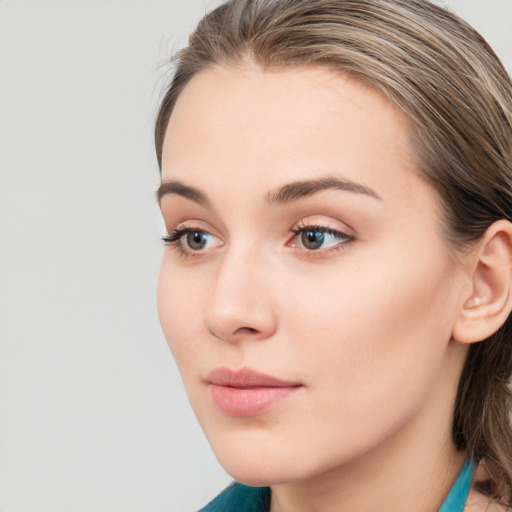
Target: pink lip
{"x": 247, "y": 392}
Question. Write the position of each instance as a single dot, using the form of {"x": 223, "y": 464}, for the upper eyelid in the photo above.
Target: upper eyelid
{"x": 192, "y": 225}
{"x": 297, "y": 227}
{"x": 328, "y": 224}
{"x": 318, "y": 227}
{"x": 180, "y": 231}
{"x": 325, "y": 225}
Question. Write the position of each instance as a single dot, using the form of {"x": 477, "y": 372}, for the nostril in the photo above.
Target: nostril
{"x": 246, "y": 330}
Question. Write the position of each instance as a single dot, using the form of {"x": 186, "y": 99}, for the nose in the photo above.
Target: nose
{"x": 240, "y": 304}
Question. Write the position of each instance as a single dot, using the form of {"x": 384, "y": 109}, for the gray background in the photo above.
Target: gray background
{"x": 92, "y": 413}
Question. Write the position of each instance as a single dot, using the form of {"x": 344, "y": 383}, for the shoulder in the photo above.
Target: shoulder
{"x": 478, "y": 502}
{"x": 240, "y": 498}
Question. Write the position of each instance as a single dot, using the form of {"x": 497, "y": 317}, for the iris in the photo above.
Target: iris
{"x": 197, "y": 240}
{"x": 312, "y": 239}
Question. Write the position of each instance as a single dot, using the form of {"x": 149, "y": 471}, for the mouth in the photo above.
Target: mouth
{"x": 247, "y": 392}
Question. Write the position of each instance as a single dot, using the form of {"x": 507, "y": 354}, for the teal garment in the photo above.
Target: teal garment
{"x": 458, "y": 495}
{"x": 241, "y": 498}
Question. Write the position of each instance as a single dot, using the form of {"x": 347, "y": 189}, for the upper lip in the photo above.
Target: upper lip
{"x": 246, "y": 378}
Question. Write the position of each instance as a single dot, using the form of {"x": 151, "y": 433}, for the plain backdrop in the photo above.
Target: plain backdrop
{"x": 92, "y": 412}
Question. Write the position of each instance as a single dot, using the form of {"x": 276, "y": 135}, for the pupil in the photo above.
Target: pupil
{"x": 312, "y": 239}
{"x": 196, "y": 239}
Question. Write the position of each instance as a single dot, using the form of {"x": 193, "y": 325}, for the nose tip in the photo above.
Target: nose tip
{"x": 239, "y": 306}
{"x": 240, "y": 324}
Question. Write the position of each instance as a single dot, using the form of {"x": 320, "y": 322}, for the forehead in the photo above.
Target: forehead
{"x": 268, "y": 127}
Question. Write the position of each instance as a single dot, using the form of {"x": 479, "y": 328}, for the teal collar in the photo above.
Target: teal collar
{"x": 456, "y": 499}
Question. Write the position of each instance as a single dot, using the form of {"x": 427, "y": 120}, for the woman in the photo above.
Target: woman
{"x": 336, "y": 287}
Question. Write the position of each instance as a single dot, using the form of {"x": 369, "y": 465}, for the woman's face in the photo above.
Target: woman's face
{"x": 303, "y": 247}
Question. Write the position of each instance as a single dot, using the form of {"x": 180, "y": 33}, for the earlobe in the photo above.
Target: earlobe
{"x": 489, "y": 303}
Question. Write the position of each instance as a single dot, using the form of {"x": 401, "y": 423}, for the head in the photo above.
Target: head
{"x": 418, "y": 153}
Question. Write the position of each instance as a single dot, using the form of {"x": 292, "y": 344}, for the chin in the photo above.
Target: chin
{"x": 253, "y": 462}
{"x": 262, "y": 473}
{"x": 266, "y": 463}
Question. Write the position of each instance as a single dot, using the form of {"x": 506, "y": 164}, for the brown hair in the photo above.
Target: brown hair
{"x": 447, "y": 79}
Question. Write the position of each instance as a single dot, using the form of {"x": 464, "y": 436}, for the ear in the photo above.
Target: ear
{"x": 488, "y": 303}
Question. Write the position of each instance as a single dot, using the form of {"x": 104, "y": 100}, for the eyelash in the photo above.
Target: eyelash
{"x": 174, "y": 239}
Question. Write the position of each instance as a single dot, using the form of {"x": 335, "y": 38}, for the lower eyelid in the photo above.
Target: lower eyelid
{"x": 323, "y": 253}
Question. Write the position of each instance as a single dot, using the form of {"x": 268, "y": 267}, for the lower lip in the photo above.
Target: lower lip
{"x": 248, "y": 401}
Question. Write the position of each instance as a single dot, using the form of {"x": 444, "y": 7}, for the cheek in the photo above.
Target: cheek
{"x": 370, "y": 346}
{"x": 178, "y": 301}
{"x": 372, "y": 326}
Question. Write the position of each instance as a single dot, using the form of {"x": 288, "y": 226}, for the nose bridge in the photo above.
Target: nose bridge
{"x": 240, "y": 300}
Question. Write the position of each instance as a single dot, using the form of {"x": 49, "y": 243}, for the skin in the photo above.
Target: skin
{"x": 364, "y": 323}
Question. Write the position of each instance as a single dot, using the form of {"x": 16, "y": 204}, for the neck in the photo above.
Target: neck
{"x": 413, "y": 469}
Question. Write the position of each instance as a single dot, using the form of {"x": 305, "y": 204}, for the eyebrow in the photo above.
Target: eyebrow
{"x": 301, "y": 189}
{"x": 173, "y": 186}
{"x": 286, "y": 194}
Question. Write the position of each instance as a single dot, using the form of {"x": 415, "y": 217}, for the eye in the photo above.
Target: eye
{"x": 196, "y": 240}
{"x": 317, "y": 238}
{"x": 189, "y": 240}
